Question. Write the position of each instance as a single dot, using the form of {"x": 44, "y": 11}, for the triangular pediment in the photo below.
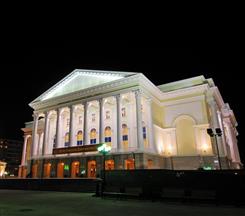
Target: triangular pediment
{"x": 82, "y": 79}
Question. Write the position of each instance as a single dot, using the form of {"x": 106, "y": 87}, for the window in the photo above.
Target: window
{"x": 93, "y": 117}
{"x": 107, "y": 114}
{"x": 67, "y": 122}
{"x": 123, "y": 112}
{"x": 93, "y": 136}
{"x": 67, "y": 139}
{"x": 80, "y": 120}
{"x": 107, "y": 139}
{"x": 79, "y": 137}
{"x": 125, "y": 137}
{"x": 144, "y": 132}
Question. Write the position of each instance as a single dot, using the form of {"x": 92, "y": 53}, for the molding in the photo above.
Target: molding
{"x": 201, "y": 89}
{"x": 183, "y": 101}
{"x": 109, "y": 87}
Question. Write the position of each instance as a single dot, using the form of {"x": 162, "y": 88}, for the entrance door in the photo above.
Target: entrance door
{"x": 129, "y": 164}
{"x": 34, "y": 171}
{"x": 109, "y": 164}
{"x": 60, "y": 170}
{"x": 92, "y": 169}
{"x": 47, "y": 170}
{"x": 75, "y": 169}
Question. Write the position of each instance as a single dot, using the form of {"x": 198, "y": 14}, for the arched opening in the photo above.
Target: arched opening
{"x": 109, "y": 165}
{"x": 108, "y": 135}
{"x": 92, "y": 169}
{"x": 60, "y": 170}
{"x": 79, "y": 137}
{"x": 47, "y": 170}
{"x": 185, "y": 135}
{"x": 93, "y": 136}
{"x": 34, "y": 170}
{"x": 125, "y": 136}
{"x": 65, "y": 127}
{"x": 149, "y": 163}
{"x": 75, "y": 169}
{"x": 66, "y": 139}
{"x": 51, "y": 133}
{"x": 129, "y": 164}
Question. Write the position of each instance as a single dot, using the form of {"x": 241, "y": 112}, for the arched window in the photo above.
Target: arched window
{"x": 93, "y": 136}
{"x": 125, "y": 136}
{"x": 108, "y": 135}
{"x": 66, "y": 139}
{"x": 79, "y": 137}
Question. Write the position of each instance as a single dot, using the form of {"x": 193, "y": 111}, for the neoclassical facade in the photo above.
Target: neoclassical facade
{"x": 147, "y": 126}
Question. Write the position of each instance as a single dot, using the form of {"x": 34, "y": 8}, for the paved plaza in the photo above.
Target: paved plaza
{"x": 35, "y": 203}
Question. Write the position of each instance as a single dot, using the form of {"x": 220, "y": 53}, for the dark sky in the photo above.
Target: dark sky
{"x": 29, "y": 67}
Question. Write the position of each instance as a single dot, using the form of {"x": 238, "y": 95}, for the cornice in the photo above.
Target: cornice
{"x": 89, "y": 92}
{"x": 184, "y": 100}
{"x": 186, "y": 91}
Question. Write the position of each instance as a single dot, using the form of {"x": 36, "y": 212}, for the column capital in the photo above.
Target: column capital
{"x": 138, "y": 92}
{"x": 35, "y": 115}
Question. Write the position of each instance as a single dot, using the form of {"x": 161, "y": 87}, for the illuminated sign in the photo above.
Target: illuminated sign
{"x": 207, "y": 168}
{"x": 76, "y": 149}
{"x": 66, "y": 167}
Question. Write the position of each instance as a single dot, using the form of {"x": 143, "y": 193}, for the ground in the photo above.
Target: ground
{"x": 15, "y": 203}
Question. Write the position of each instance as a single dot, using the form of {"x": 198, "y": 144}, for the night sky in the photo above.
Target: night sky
{"x": 28, "y": 68}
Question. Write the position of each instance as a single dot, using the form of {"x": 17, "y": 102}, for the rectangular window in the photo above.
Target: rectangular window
{"x": 107, "y": 114}
{"x": 125, "y": 137}
{"x": 93, "y": 141}
{"x": 80, "y": 120}
{"x": 123, "y": 112}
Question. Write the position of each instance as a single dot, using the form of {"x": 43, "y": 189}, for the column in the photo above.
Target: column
{"x": 140, "y": 140}
{"x": 57, "y": 140}
{"x": 215, "y": 124}
{"x": 71, "y": 135}
{"x": 45, "y": 134}
{"x": 150, "y": 122}
{"x": 85, "y": 107}
{"x": 34, "y": 132}
{"x": 23, "y": 160}
{"x": 119, "y": 125}
{"x": 101, "y": 120}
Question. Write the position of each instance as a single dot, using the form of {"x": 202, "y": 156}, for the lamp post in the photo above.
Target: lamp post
{"x": 214, "y": 133}
{"x": 104, "y": 149}
{"x": 134, "y": 160}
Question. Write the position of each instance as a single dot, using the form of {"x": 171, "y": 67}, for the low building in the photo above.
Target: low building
{"x": 10, "y": 152}
{"x": 147, "y": 126}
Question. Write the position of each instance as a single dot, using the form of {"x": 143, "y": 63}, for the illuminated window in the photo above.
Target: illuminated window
{"x": 93, "y": 136}
{"x": 108, "y": 135}
{"x": 79, "y": 137}
{"x": 107, "y": 114}
{"x": 67, "y": 139}
{"x": 123, "y": 112}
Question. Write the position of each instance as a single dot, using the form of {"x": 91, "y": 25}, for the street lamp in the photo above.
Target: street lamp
{"x": 215, "y": 133}
{"x": 104, "y": 149}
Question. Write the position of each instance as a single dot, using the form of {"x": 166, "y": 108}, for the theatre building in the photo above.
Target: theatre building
{"x": 147, "y": 126}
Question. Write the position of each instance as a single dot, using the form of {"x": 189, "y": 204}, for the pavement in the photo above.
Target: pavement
{"x": 45, "y": 203}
